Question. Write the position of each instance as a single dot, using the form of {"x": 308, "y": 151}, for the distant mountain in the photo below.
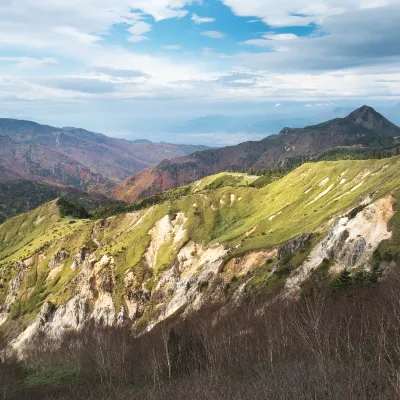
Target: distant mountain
{"x": 75, "y": 156}
{"x": 140, "y": 141}
{"x": 29, "y": 161}
{"x": 363, "y": 128}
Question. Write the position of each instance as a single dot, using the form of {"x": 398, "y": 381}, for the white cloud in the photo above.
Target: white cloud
{"x": 298, "y": 12}
{"x": 139, "y": 28}
{"x": 208, "y": 52}
{"x": 269, "y": 39}
{"x": 214, "y": 34}
{"x": 354, "y": 59}
{"x": 71, "y": 33}
{"x": 30, "y": 62}
{"x": 137, "y": 39}
{"x": 277, "y": 105}
{"x": 280, "y": 36}
{"x": 349, "y": 41}
{"x": 172, "y": 47}
{"x": 201, "y": 20}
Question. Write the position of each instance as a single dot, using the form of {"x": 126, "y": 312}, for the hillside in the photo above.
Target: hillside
{"x": 18, "y": 196}
{"x": 45, "y": 147}
{"x": 38, "y": 163}
{"x": 207, "y": 247}
{"x": 363, "y": 129}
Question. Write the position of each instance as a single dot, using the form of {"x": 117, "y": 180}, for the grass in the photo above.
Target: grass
{"x": 223, "y": 179}
{"x": 240, "y": 217}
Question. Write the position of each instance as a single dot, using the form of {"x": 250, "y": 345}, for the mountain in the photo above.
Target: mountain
{"x": 362, "y": 129}
{"x": 20, "y": 160}
{"x": 114, "y": 159}
{"x": 18, "y": 196}
{"x": 141, "y": 141}
{"x": 210, "y": 246}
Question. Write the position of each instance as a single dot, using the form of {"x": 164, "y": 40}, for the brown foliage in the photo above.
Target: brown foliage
{"x": 341, "y": 346}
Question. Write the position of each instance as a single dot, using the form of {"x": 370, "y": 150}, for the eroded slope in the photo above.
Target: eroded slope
{"x": 212, "y": 245}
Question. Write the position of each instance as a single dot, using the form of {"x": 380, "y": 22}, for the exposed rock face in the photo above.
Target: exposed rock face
{"x": 349, "y": 243}
{"x": 165, "y": 231}
{"x": 93, "y": 301}
{"x": 293, "y": 246}
{"x": 195, "y": 270}
{"x": 58, "y": 258}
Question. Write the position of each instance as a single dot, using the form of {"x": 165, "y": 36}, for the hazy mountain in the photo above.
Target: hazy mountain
{"x": 31, "y": 150}
{"x": 26, "y": 160}
{"x": 363, "y": 128}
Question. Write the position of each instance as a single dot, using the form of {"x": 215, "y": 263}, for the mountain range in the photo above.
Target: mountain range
{"x": 364, "y": 128}
{"x": 77, "y": 157}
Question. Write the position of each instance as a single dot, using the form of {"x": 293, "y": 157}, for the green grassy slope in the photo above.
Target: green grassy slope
{"x": 240, "y": 217}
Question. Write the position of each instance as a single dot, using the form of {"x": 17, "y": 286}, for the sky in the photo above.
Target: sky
{"x": 136, "y": 68}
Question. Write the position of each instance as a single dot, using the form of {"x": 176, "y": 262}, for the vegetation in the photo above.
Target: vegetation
{"x": 220, "y": 210}
{"x": 242, "y": 218}
{"x": 20, "y": 196}
{"x": 324, "y": 346}
{"x": 69, "y": 209}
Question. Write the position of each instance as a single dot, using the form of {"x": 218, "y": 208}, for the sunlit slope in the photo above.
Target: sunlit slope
{"x": 48, "y": 251}
{"x": 23, "y": 235}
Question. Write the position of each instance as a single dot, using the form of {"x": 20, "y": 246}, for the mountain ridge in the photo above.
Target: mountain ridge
{"x": 108, "y": 159}
{"x": 272, "y": 152}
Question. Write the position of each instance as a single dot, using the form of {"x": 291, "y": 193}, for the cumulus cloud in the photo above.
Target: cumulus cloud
{"x": 239, "y": 79}
{"x": 267, "y": 39}
{"x": 208, "y": 52}
{"x": 80, "y": 84}
{"x": 72, "y": 33}
{"x": 137, "y": 38}
{"x": 347, "y": 56}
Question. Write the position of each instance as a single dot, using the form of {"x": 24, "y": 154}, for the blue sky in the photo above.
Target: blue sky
{"x": 134, "y": 68}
